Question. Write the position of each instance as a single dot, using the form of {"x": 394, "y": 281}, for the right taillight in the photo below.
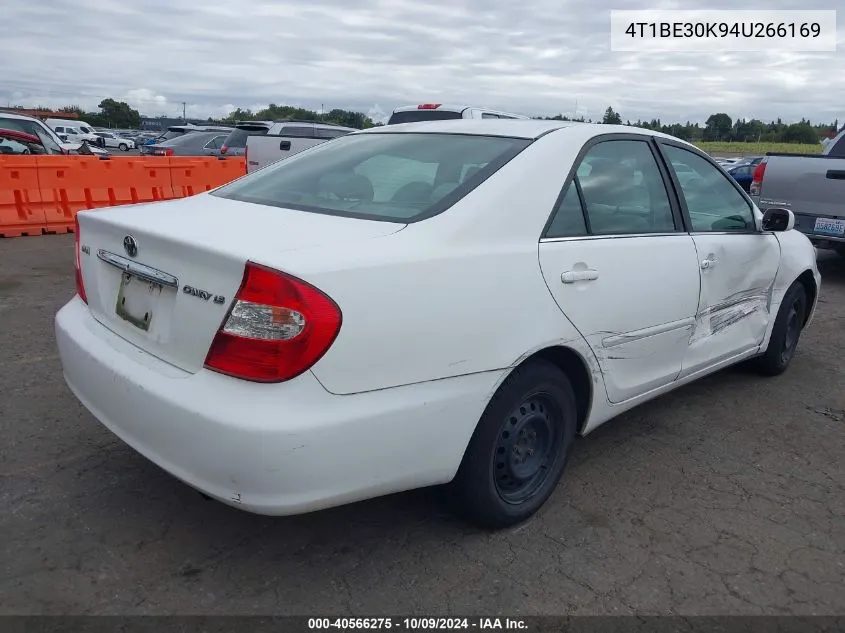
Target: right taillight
{"x": 80, "y": 286}
{"x": 757, "y": 179}
{"x": 278, "y": 327}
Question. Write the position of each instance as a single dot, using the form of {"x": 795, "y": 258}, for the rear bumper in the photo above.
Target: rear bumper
{"x": 270, "y": 449}
{"x": 806, "y": 224}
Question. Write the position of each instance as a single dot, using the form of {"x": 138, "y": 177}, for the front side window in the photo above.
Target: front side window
{"x": 381, "y": 176}
{"x": 622, "y": 193}
{"x": 713, "y": 203}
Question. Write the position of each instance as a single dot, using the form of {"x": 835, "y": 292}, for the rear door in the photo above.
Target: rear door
{"x": 737, "y": 262}
{"x": 620, "y": 266}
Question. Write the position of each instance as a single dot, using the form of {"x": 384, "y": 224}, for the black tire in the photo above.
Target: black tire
{"x": 786, "y": 332}
{"x": 123, "y": 147}
{"x": 840, "y": 250}
{"x": 519, "y": 449}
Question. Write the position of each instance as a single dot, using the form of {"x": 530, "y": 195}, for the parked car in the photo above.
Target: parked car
{"x": 48, "y": 139}
{"x": 742, "y": 173}
{"x": 440, "y": 112}
{"x": 193, "y": 144}
{"x": 235, "y": 143}
{"x": 122, "y": 143}
{"x": 812, "y": 186}
{"x": 372, "y": 315}
{"x": 34, "y": 127}
{"x": 15, "y": 142}
{"x": 287, "y": 138}
{"x": 175, "y": 131}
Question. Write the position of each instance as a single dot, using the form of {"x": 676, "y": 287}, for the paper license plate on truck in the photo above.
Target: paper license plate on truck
{"x": 137, "y": 300}
{"x": 828, "y": 226}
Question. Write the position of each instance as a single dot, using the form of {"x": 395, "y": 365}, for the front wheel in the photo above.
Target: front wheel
{"x": 785, "y": 334}
{"x": 519, "y": 449}
{"x": 123, "y": 147}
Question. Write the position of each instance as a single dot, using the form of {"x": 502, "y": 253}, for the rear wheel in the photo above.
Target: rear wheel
{"x": 785, "y": 333}
{"x": 840, "y": 249}
{"x": 519, "y": 449}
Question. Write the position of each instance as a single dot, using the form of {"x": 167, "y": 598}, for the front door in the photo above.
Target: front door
{"x": 621, "y": 268}
{"x": 737, "y": 262}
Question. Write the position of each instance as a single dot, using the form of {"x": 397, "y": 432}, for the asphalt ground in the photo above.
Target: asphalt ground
{"x": 724, "y": 497}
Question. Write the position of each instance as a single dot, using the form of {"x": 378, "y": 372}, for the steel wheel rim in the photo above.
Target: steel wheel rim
{"x": 790, "y": 337}
{"x": 526, "y": 447}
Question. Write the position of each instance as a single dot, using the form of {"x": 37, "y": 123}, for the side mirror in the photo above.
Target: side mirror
{"x": 778, "y": 220}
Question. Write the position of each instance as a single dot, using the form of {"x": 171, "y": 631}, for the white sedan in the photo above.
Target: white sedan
{"x": 429, "y": 303}
{"x": 113, "y": 140}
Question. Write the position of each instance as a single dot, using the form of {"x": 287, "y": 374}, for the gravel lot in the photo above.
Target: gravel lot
{"x": 726, "y": 497}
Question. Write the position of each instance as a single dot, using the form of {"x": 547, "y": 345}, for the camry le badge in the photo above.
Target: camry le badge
{"x": 130, "y": 246}
{"x": 202, "y": 294}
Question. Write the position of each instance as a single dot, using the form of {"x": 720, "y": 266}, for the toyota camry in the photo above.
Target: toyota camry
{"x": 447, "y": 302}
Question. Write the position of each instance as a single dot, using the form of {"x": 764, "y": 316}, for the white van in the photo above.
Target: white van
{"x": 74, "y": 131}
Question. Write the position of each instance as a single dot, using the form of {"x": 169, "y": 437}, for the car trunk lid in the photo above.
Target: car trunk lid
{"x": 164, "y": 275}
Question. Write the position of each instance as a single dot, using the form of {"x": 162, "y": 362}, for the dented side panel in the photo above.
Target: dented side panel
{"x": 735, "y": 305}
{"x": 636, "y": 310}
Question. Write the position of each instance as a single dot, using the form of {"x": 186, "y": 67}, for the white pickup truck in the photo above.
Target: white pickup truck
{"x": 286, "y": 138}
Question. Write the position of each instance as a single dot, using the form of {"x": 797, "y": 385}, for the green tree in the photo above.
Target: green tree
{"x": 118, "y": 114}
{"x": 718, "y": 127}
{"x": 611, "y": 117}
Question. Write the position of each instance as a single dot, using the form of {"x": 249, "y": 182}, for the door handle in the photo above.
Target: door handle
{"x": 571, "y": 276}
{"x": 835, "y": 174}
{"x": 284, "y": 146}
{"x": 708, "y": 263}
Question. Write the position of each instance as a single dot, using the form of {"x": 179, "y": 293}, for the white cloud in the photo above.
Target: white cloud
{"x": 541, "y": 58}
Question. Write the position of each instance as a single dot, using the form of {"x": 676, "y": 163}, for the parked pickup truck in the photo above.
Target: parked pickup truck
{"x": 812, "y": 186}
{"x": 286, "y": 138}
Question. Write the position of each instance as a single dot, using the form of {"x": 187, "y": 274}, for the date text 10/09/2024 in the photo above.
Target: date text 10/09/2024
{"x": 416, "y": 624}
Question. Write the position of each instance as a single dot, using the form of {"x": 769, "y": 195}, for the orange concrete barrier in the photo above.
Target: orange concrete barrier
{"x": 21, "y": 208}
{"x": 41, "y": 194}
{"x": 195, "y": 174}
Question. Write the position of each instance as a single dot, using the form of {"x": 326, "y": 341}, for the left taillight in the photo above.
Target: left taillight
{"x": 80, "y": 285}
{"x": 278, "y": 328}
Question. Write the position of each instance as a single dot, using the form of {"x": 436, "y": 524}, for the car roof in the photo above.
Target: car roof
{"x": 515, "y": 128}
{"x": 194, "y": 138}
{"x": 22, "y": 117}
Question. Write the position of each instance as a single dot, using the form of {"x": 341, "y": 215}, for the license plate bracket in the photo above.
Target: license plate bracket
{"x": 137, "y": 300}
{"x": 829, "y": 226}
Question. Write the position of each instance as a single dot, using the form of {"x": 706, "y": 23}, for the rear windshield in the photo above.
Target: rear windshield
{"x": 414, "y": 116}
{"x": 170, "y": 134}
{"x": 380, "y": 176}
{"x": 237, "y": 138}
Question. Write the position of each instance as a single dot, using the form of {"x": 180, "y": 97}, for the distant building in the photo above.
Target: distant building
{"x": 162, "y": 123}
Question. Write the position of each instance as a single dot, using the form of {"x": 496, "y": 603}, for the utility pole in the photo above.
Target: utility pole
{"x": 184, "y": 118}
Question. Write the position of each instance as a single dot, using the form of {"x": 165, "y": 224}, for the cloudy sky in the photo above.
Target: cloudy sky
{"x": 535, "y": 57}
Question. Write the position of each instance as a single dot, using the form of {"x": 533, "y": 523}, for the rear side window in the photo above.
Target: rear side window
{"x": 324, "y": 132}
{"x": 415, "y": 116}
{"x": 238, "y": 137}
{"x": 390, "y": 177}
{"x": 298, "y": 131}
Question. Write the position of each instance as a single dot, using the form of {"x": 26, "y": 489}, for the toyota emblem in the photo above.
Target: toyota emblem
{"x": 130, "y": 246}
